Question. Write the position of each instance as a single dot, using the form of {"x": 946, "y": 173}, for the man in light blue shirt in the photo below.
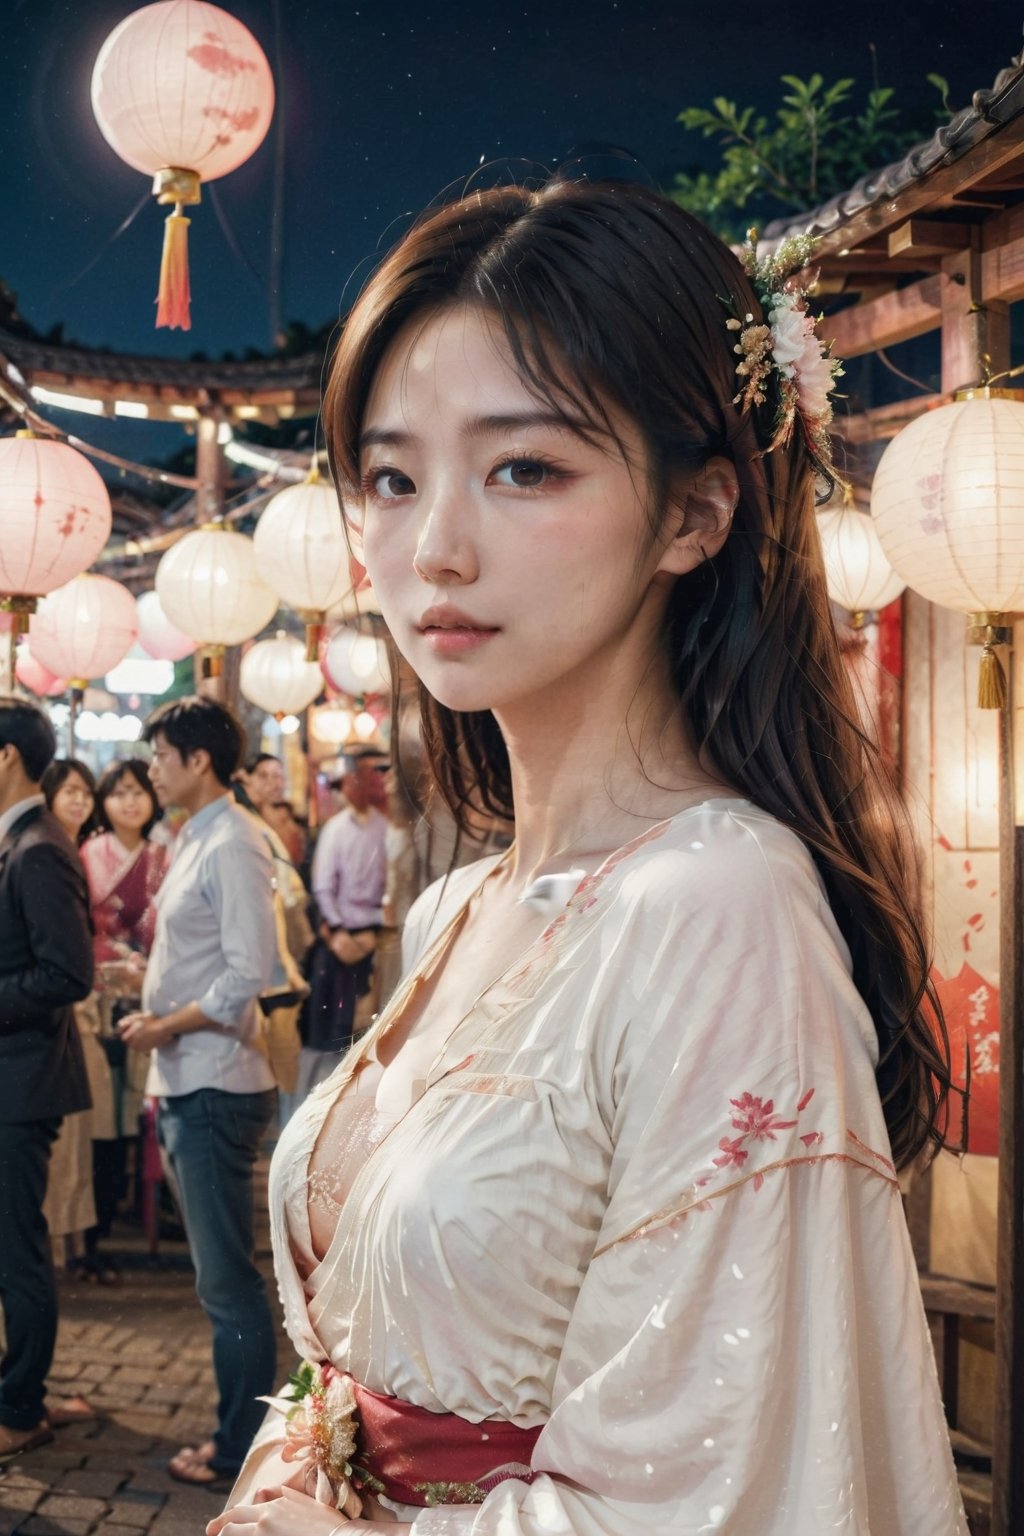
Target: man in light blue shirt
{"x": 213, "y": 954}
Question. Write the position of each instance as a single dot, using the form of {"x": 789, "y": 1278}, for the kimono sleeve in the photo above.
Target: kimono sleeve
{"x": 747, "y": 1353}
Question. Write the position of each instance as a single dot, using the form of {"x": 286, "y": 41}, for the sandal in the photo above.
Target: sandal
{"x": 192, "y": 1465}
{"x": 15, "y": 1442}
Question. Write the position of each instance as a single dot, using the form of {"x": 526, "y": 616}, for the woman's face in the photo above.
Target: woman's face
{"x": 128, "y": 806}
{"x": 509, "y": 555}
{"x": 73, "y": 803}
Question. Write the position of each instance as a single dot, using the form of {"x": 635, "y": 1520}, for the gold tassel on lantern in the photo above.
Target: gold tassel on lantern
{"x": 174, "y": 297}
{"x": 178, "y": 187}
{"x": 988, "y": 630}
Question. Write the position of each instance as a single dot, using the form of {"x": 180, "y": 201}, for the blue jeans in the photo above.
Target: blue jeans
{"x": 211, "y": 1140}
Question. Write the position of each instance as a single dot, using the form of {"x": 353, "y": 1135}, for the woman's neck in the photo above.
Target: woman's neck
{"x": 592, "y": 772}
{"x": 129, "y": 838}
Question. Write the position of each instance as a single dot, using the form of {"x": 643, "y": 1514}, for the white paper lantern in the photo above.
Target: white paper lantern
{"x": 332, "y": 725}
{"x": 356, "y": 664}
{"x": 157, "y": 635}
{"x": 859, "y": 576}
{"x": 54, "y": 518}
{"x": 277, "y": 678}
{"x": 209, "y": 587}
{"x": 948, "y": 504}
{"x": 84, "y": 628}
{"x": 301, "y": 551}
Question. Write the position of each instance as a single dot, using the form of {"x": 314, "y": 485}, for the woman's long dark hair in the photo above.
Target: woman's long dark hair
{"x": 611, "y": 296}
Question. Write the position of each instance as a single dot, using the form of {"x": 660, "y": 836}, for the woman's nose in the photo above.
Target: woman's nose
{"x": 445, "y": 548}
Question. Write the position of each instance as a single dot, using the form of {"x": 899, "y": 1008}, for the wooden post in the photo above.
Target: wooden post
{"x": 974, "y": 331}
{"x": 211, "y": 472}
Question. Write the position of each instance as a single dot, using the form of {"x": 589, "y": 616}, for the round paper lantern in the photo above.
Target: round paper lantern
{"x": 209, "y": 588}
{"x": 54, "y": 515}
{"x": 301, "y": 552}
{"x": 84, "y": 628}
{"x": 332, "y": 725}
{"x": 356, "y": 664}
{"x": 183, "y": 92}
{"x": 948, "y": 505}
{"x": 859, "y": 576}
{"x": 33, "y": 675}
{"x": 157, "y": 635}
{"x": 276, "y": 676}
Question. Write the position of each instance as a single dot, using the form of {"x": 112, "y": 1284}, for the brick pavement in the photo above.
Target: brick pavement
{"x": 140, "y": 1353}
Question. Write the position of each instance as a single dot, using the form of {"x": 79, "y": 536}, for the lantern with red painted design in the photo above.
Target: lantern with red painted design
{"x": 182, "y": 91}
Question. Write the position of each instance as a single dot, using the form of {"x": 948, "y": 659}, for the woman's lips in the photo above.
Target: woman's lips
{"x": 456, "y": 638}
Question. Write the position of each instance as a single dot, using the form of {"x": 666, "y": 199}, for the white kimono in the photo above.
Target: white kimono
{"x": 646, "y": 1202}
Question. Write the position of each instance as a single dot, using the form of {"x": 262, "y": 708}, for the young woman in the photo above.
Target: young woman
{"x": 125, "y": 870}
{"x": 598, "y": 1230}
{"x": 70, "y": 791}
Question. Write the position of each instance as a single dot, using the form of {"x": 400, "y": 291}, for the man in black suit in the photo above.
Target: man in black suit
{"x": 45, "y": 966}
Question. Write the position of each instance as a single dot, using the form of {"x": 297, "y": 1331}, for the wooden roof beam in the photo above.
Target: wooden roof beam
{"x": 928, "y": 238}
{"x": 882, "y": 322}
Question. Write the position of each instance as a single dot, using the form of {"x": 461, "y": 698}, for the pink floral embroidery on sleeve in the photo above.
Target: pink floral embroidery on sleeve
{"x": 756, "y": 1120}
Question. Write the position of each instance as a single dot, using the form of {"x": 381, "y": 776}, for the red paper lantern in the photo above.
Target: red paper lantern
{"x": 182, "y": 91}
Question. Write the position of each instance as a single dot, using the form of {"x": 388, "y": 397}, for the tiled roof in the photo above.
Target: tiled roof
{"x": 989, "y": 111}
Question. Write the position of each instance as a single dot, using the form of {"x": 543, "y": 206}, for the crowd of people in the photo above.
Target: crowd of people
{"x": 597, "y": 1229}
{"x": 200, "y": 883}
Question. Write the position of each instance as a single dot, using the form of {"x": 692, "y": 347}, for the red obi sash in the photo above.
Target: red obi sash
{"x": 425, "y": 1458}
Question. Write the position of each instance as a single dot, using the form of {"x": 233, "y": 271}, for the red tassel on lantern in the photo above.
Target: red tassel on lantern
{"x": 174, "y": 295}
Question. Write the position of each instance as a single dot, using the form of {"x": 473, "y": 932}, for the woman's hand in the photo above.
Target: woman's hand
{"x": 286, "y": 1512}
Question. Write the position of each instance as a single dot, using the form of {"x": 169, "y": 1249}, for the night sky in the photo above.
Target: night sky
{"x": 383, "y": 103}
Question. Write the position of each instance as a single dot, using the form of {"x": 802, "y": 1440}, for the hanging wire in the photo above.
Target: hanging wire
{"x": 104, "y": 248}
{"x": 19, "y": 404}
{"x": 887, "y": 362}
{"x": 229, "y": 236}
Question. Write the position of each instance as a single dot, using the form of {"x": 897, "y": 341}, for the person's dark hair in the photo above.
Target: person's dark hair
{"x": 58, "y": 774}
{"x": 261, "y": 757}
{"x": 194, "y": 724}
{"x": 611, "y": 297}
{"x": 133, "y": 768}
{"x": 23, "y": 725}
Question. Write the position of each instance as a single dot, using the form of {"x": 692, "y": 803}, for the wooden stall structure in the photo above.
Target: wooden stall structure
{"x": 936, "y": 243}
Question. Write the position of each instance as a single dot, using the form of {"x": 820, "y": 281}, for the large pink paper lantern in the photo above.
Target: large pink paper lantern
{"x": 182, "y": 91}
{"x": 54, "y": 519}
{"x": 158, "y": 637}
{"x": 83, "y": 629}
{"x": 31, "y": 674}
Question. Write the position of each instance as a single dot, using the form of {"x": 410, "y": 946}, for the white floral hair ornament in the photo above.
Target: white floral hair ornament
{"x": 785, "y": 344}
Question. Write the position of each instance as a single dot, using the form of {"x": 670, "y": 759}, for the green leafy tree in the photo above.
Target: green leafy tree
{"x": 817, "y": 143}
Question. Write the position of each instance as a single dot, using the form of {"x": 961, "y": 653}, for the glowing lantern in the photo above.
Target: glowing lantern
{"x": 948, "y": 505}
{"x": 332, "y": 725}
{"x": 183, "y": 92}
{"x": 302, "y": 553}
{"x": 84, "y": 628}
{"x": 859, "y": 576}
{"x": 356, "y": 664}
{"x": 55, "y": 516}
{"x": 158, "y": 637}
{"x": 31, "y": 674}
{"x": 209, "y": 588}
{"x": 276, "y": 676}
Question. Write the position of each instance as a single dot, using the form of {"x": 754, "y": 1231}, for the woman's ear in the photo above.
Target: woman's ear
{"x": 700, "y": 516}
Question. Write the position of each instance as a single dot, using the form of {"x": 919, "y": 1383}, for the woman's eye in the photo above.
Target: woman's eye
{"x": 390, "y": 484}
{"x": 525, "y": 474}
